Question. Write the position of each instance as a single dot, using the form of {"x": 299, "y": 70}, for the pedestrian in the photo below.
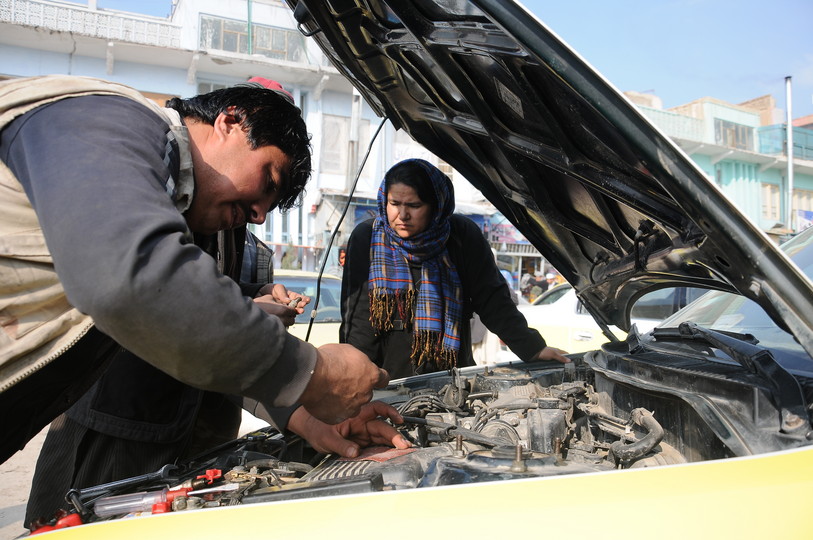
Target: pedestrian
{"x": 550, "y": 279}
{"x": 415, "y": 275}
{"x": 101, "y": 194}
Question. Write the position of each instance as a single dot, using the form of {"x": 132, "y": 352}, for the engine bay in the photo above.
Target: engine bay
{"x": 485, "y": 424}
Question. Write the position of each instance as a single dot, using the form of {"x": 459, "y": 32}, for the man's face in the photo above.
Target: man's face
{"x": 234, "y": 184}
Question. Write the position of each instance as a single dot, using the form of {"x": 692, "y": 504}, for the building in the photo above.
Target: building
{"x": 207, "y": 44}
{"x": 743, "y": 149}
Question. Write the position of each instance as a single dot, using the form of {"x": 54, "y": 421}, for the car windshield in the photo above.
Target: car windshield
{"x": 730, "y": 312}
{"x": 551, "y": 296}
{"x": 329, "y": 298}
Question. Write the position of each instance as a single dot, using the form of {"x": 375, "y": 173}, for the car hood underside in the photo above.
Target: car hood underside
{"x": 607, "y": 199}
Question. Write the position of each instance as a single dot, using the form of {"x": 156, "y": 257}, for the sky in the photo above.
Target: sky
{"x": 679, "y": 50}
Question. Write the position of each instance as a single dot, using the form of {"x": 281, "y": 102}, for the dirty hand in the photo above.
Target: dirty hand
{"x": 277, "y": 292}
{"x": 285, "y": 313}
{"x": 552, "y": 353}
{"x": 349, "y": 437}
{"x": 342, "y": 381}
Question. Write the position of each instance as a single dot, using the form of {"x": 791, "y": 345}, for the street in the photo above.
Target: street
{"x": 16, "y": 476}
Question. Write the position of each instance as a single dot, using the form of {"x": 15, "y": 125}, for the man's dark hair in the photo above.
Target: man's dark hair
{"x": 268, "y": 119}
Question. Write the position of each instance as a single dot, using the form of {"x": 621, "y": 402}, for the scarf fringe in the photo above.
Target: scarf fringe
{"x": 384, "y": 303}
{"x": 428, "y": 347}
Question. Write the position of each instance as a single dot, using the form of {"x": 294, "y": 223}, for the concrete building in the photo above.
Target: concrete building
{"x": 743, "y": 149}
{"x": 207, "y": 44}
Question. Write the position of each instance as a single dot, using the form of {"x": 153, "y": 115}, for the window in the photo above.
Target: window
{"x": 232, "y": 35}
{"x": 733, "y": 135}
{"x": 335, "y": 138}
{"x": 802, "y": 199}
{"x": 205, "y": 87}
{"x": 299, "y": 226}
{"x": 770, "y": 202}
{"x": 268, "y": 227}
{"x": 286, "y": 234}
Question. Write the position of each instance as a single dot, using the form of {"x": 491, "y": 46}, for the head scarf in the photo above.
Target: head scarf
{"x": 433, "y": 311}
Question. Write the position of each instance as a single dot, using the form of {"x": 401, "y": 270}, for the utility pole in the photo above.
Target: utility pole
{"x": 790, "y": 217}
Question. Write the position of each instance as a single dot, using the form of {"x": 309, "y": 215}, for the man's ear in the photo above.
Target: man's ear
{"x": 226, "y": 124}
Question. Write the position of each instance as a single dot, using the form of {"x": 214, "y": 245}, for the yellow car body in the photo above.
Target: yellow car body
{"x": 769, "y": 494}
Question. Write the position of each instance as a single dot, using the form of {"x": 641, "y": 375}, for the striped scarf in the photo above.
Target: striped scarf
{"x": 433, "y": 311}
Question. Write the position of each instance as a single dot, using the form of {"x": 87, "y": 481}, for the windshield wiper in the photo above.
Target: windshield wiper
{"x": 784, "y": 388}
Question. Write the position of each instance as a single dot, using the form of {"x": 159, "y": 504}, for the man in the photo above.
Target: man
{"x": 550, "y": 280}
{"x": 100, "y": 192}
{"x": 136, "y": 419}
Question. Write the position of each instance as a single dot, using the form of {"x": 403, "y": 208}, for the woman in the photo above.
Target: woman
{"x": 415, "y": 274}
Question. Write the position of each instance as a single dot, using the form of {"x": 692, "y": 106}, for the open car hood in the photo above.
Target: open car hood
{"x": 606, "y": 198}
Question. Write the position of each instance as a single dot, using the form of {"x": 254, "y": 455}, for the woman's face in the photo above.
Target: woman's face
{"x": 407, "y": 213}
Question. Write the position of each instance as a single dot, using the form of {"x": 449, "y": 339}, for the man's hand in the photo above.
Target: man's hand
{"x": 349, "y": 437}
{"x": 552, "y": 353}
{"x": 342, "y": 381}
{"x": 272, "y": 307}
{"x": 276, "y": 299}
{"x": 277, "y": 292}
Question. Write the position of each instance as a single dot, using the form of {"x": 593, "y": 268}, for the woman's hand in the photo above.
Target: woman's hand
{"x": 552, "y": 353}
{"x": 349, "y": 437}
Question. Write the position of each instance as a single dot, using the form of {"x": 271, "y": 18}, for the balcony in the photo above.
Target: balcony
{"x": 773, "y": 139}
{"x": 675, "y": 125}
{"x": 77, "y": 19}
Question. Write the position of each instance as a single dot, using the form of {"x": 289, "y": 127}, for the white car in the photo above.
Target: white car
{"x": 565, "y": 323}
{"x": 325, "y": 327}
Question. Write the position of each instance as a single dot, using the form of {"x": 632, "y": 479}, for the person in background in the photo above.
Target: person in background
{"x": 550, "y": 279}
{"x": 417, "y": 272}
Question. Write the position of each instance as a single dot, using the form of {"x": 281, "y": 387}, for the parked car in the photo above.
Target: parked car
{"x": 698, "y": 429}
{"x": 564, "y": 321}
{"x": 325, "y": 328}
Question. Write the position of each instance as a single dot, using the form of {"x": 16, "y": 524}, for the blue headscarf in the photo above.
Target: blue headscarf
{"x": 434, "y": 310}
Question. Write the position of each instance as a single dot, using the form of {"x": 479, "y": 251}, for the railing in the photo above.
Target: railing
{"x": 108, "y": 25}
{"x": 675, "y": 125}
{"x": 772, "y": 140}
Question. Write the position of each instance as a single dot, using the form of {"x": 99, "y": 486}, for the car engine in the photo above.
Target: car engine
{"x": 471, "y": 425}
{"x": 621, "y": 407}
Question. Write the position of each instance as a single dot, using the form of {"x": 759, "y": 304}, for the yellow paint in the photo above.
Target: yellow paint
{"x": 761, "y": 497}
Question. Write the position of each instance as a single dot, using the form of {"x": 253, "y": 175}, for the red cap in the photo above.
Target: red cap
{"x": 270, "y": 85}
